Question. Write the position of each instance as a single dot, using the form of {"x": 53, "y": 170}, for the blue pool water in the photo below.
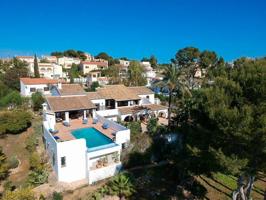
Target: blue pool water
{"x": 94, "y": 138}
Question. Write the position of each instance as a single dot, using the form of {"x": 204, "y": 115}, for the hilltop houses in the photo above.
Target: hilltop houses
{"x": 88, "y": 66}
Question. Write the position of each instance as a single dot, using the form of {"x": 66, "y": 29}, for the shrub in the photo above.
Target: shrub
{"x": 12, "y": 99}
{"x": 57, "y": 196}
{"x": 13, "y": 162}
{"x": 37, "y": 101}
{"x": 152, "y": 126}
{"x": 21, "y": 193}
{"x": 31, "y": 143}
{"x": 135, "y": 127}
{"x": 35, "y": 162}
{"x": 14, "y": 122}
{"x": 9, "y": 186}
{"x": 37, "y": 177}
{"x": 3, "y": 165}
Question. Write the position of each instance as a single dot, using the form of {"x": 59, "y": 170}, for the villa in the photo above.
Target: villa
{"x": 81, "y": 136}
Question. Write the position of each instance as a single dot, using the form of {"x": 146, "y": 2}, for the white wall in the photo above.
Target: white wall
{"x": 151, "y": 98}
{"x": 86, "y": 68}
{"x": 122, "y": 137}
{"x": 106, "y": 113}
{"x": 25, "y": 89}
{"x": 75, "y": 152}
{"x": 101, "y": 102}
{"x": 105, "y": 172}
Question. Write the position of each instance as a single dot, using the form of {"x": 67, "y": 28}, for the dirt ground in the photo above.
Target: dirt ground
{"x": 14, "y": 145}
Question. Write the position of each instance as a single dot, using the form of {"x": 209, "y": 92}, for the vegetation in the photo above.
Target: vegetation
{"x": 11, "y": 100}
{"x": 37, "y": 101}
{"x": 3, "y": 165}
{"x": 19, "y": 194}
{"x": 13, "y": 162}
{"x": 135, "y": 75}
{"x": 57, "y": 196}
{"x": 110, "y": 59}
{"x": 14, "y": 122}
{"x": 152, "y": 60}
{"x": 36, "y": 67}
{"x": 70, "y": 53}
{"x": 94, "y": 85}
{"x": 152, "y": 126}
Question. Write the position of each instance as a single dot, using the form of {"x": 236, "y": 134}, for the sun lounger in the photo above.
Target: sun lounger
{"x": 67, "y": 124}
{"x": 105, "y": 125}
{"x": 53, "y": 131}
{"x": 84, "y": 121}
{"x": 95, "y": 121}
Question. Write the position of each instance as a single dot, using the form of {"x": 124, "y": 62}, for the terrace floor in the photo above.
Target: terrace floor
{"x": 64, "y": 133}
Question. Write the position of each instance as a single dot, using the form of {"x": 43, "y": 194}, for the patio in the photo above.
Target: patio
{"x": 64, "y": 132}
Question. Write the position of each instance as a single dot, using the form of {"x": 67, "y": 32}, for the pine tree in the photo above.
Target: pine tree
{"x": 36, "y": 68}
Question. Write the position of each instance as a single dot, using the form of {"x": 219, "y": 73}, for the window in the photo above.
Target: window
{"x": 63, "y": 161}
{"x": 32, "y": 89}
{"x": 46, "y": 88}
{"x": 53, "y": 160}
{"x": 147, "y": 97}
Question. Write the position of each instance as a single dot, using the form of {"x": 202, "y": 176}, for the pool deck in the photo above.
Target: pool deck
{"x": 65, "y": 132}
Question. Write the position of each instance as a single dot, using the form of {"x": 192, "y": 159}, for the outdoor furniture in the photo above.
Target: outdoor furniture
{"x": 53, "y": 131}
{"x": 59, "y": 119}
{"x": 56, "y": 137}
{"x": 84, "y": 121}
{"x": 95, "y": 121}
{"x": 65, "y": 123}
{"x": 105, "y": 125}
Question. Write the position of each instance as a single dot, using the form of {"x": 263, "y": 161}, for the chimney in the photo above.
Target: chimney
{"x": 59, "y": 85}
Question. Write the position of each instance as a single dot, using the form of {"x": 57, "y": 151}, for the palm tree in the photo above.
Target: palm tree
{"x": 121, "y": 186}
{"x": 174, "y": 81}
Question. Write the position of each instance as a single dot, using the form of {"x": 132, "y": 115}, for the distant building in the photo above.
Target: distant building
{"x": 95, "y": 76}
{"x": 28, "y": 86}
{"x": 48, "y": 70}
{"x": 124, "y": 63}
{"x": 50, "y": 59}
{"x": 149, "y": 72}
{"x": 88, "y": 66}
{"x": 28, "y": 59}
{"x": 67, "y": 62}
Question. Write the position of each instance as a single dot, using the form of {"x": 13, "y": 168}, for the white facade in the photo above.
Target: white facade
{"x": 28, "y": 90}
{"x": 124, "y": 63}
{"x": 88, "y": 66}
{"x": 28, "y": 59}
{"x": 67, "y": 62}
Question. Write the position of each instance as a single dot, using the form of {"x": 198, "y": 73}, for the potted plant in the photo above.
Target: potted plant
{"x": 99, "y": 163}
{"x": 105, "y": 161}
{"x": 115, "y": 157}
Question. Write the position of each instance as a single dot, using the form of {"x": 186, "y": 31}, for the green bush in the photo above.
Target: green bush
{"x": 13, "y": 162}
{"x": 37, "y": 101}
{"x": 14, "y": 122}
{"x": 36, "y": 178}
{"x": 3, "y": 165}
{"x": 19, "y": 194}
{"x": 35, "y": 162}
{"x": 135, "y": 127}
{"x": 31, "y": 143}
{"x": 57, "y": 196}
{"x": 12, "y": 99}
{"x": 152, "y": 126}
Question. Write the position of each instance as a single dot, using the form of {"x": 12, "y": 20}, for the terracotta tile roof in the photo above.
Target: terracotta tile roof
{"x": 141, "y": 90}
{"x": 117, "y": 92}
{"x": 36, "y": 81}
{"x": 94, "y": 95}
{"x": 134, "y": 109}
{"x": 69, "y": 103}
{"x": 71, "y": 89}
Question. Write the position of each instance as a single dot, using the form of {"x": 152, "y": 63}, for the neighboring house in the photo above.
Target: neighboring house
{"x": 50, "y": 59}
{"x": 126, "y": 103}
{"x": 28, "y": 59}
{"x": 67, "y": 62}
{"x": 49, "y": 70}
{"x": 88, "y": 66}
{"x": 83, "y": 146}
{"x": 95, "y": 76}
{"x": 149, "y": 72}
{"x": 124, "y": 63}
{"x": 28, "y": 86}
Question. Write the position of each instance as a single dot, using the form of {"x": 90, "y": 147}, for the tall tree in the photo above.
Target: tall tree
{"x": 36, "y": 67}
{"x": 228, "y": 126}
{"x": 174, "y": 82}
{"x": 153, "y": 61}
{"x": 187, "y": 58}
{"x": 136, "y": 75}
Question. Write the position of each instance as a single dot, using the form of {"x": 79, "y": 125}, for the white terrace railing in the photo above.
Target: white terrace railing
{"x": 113, "y": 125}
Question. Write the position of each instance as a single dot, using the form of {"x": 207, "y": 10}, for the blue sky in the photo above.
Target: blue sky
{"x": 134, "y": 28}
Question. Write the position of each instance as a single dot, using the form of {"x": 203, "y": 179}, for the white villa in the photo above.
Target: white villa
{"x": 66, "y": 62}
{"x": 80, "y": 133}
{"x": 28, "y": 86}
{"x": 88, "y": 66}
{"x": 149, "y": 72}
{"x": 95, "y": 76}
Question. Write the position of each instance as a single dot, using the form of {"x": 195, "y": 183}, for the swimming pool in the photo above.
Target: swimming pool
{"x": 94, "y": 139}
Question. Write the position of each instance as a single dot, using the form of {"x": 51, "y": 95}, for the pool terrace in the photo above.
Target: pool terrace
{"x": 64, "y": 132}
